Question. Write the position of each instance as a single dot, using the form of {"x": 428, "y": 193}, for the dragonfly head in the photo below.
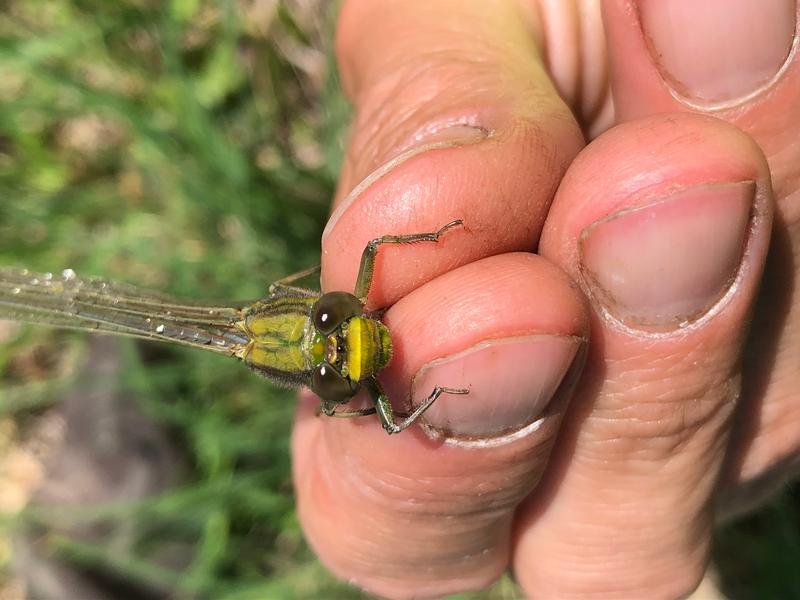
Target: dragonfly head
{"x": 355, "y": 346}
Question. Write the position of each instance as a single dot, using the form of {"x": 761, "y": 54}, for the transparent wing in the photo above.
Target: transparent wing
{"x": 96, "y": 304}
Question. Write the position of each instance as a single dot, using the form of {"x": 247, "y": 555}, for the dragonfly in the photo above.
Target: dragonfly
{"x": 293, "y": 337}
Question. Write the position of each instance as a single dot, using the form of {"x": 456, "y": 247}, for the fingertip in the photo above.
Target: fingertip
{"x": 508, "y": 328}
{"x": 729, "y": 58}
{"x": 363, "y": 490}
{"x": 637, "y": 163}
{"x": 488, "y": 181}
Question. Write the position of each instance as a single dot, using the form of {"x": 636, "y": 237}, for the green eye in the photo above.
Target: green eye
{"x": 328, "y": 384}
{"x": 333, "y": 309}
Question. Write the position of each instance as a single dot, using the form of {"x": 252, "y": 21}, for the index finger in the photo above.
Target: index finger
{"x": 469, "y": 129}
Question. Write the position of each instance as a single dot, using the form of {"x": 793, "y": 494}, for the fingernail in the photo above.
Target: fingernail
{"x": 434, "y": 137}
{"x": 511, "y": 381}
{"x": 668, "y": 262}
{"x": 718, "y": 50}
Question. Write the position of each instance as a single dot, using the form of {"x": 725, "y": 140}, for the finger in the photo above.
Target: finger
{"x": 738, "y": 61}
{"x": 426, "y": 515}
{"x": 455, "y": 119}
{"x": 668, "y": 240}
{"x": 576, "y": 59}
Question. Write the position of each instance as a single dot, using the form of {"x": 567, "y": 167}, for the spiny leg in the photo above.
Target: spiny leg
{"x": 283, "y": 284}
{"x": 367, "y": 267}
{"x": 353, "y": 412}
{"x": 331, "y": 409}
{"x": 387, "y": 415}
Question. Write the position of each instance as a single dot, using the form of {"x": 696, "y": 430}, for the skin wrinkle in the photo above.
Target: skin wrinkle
{"x": 358, "y": 549}
{"x": 515, "y": 43}
{"x": 659, "y": 421}
{"x": 637, "y": 460}
{"x": 433, "y": 63}
{"x": 635, "y": 378}
{"x": 432, "y": 564}
{"x": 460, "y": 531}
{"x": 402, "y": 130}
{"x": 405, "y": 75}
{"x": 620, "y": 511}
{"x": 393, "y": 493}
{"x": 717, "y": 422}
{"x": 396, "y": 492}
{"x": 539, "y": 145}
{"x": 426, "y": 82}
{"x": 681, "y": 576}
{"x": 657, "y": 416}
{"x": 441, "y": 564}
{"x": 392, "y": 490}
{"x": 627, "y": 546}
{"x": 582, "y": 556}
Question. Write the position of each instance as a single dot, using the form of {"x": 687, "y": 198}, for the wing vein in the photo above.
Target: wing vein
{"x": 96, "y": 304}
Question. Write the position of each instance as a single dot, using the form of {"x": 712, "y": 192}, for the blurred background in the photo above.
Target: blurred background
{"x": 192, "y": 147}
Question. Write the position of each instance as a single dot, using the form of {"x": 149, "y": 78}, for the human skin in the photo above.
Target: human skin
{"x": 630, "y": 383}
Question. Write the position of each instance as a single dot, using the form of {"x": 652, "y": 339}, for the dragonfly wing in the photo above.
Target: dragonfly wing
{"x": 99, "y": 305}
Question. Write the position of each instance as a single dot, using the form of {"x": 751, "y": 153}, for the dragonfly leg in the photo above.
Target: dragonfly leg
{"x": 386, "y": 413}
{"x": 349, "y": 413}
{"x": 284, "y": 284}
{"x": 367, "y": 266}
{"x": 326, "y": 408}
{"x": 330, "y": 409}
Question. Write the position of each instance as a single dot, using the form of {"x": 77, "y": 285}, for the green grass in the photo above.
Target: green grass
{"x": 193, "y": 148}
{"x": 178, "y": 146}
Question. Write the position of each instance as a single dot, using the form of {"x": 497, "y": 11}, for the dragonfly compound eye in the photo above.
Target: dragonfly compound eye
{"x": 328, "y": 384}
{"x": 333, "y": 309}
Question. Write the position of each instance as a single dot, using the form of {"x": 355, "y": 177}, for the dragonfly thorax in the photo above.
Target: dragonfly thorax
{"x": 367, "y": 347}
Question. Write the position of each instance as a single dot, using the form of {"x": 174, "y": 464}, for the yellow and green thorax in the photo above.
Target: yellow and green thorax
{"x": 284, "y": 344}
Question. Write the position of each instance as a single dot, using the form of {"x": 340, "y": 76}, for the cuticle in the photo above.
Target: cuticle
{"x": 672, "y": 192}
{"x": 436, "y": 127}
{"x": 404, "y": 155}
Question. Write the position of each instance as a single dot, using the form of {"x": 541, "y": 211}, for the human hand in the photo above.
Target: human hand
{"x": 664, "y": 222}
